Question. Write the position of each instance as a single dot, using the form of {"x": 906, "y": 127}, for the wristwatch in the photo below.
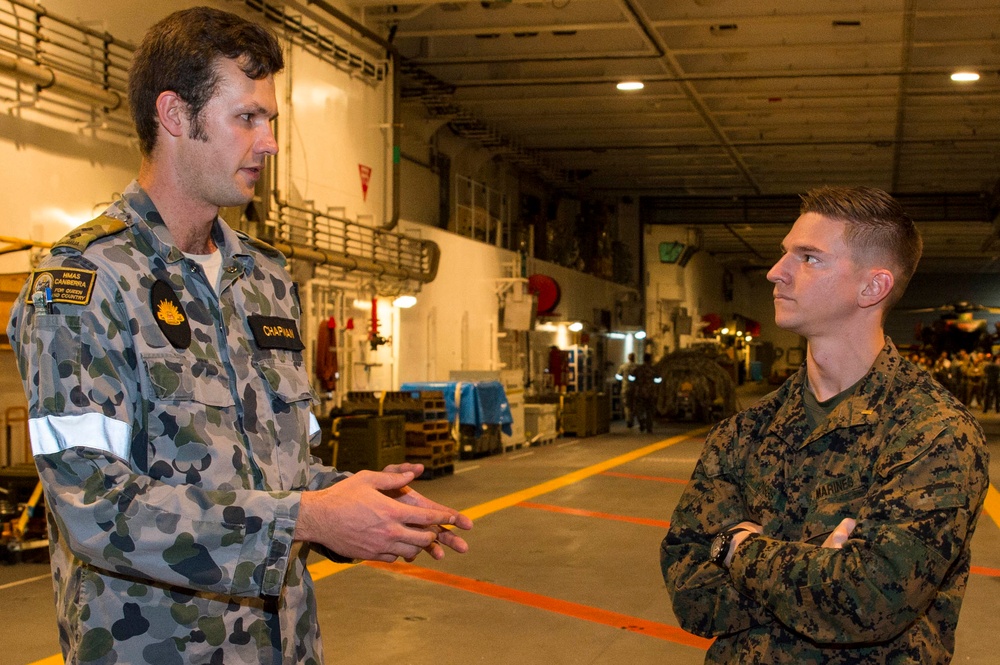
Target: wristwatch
{"x": 720, "y": 547}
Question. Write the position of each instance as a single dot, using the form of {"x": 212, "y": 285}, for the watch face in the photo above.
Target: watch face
{"x": 716, "y": 547}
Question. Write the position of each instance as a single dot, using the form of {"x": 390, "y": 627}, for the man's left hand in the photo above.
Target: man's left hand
{"x": 411, "y": 497}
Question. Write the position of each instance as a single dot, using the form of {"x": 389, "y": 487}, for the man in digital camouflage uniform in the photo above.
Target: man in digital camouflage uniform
{"x": 831, "y": 522}
{"x": 169, "y": 404}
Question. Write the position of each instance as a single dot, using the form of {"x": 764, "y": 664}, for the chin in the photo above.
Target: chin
{"x": 236, "y": 199}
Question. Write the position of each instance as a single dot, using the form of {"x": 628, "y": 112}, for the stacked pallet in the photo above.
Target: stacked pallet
{"x": 428, "y": 439}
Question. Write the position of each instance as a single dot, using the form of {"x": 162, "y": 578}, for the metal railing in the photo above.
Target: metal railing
{"x": 329, "y": 239}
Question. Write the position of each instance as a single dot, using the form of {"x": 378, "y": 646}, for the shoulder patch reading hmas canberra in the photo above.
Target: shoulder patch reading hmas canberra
{"x": 72, "y": 286}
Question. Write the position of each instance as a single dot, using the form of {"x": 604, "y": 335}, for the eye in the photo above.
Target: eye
{"x": 809, "y": 258}
{"x": 247, "y": 117}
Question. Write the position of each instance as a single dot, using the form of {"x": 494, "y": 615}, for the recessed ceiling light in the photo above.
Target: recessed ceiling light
{"x": 965, "y": 77}
{"x": 629, "y": 86}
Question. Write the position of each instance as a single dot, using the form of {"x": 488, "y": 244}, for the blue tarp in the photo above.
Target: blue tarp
{"x": 479, "y": 402}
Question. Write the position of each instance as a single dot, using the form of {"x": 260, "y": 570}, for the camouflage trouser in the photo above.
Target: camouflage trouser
{"x": 991, "y": 396}
{"x": 644, "y": 413}
{"x": 628, "y": 407}
{"x": 974, "y": 392}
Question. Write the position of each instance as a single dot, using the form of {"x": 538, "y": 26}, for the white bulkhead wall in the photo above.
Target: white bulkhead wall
{"x": 59, "y": 174}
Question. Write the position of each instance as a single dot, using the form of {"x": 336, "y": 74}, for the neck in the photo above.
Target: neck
{"x": 836, "y": 363}
{"x": 189, "y": 222}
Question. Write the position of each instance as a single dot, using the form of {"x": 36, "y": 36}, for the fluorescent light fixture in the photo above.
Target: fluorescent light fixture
{"x": 616, "y": 335}
{"x": 576, "y": 326}
{"x": 965, "y": 77}
{"x": 404, "y": 302}
{"x": 630, "y": 86}
{"x": 641, "y": 334}
{"x": 362, "y": 304}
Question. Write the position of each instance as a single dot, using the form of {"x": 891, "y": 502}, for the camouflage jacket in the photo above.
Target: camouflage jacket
{"x": 644, "y": 384}
{"x": 902, "y": 457}
{"x": 171, "y": 430}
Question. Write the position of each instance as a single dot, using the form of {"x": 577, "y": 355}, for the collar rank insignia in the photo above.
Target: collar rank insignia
{"x": 274, "y": 332}
{"x": 169, "y": 314}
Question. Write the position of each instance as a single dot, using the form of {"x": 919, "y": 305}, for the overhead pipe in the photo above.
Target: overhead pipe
{"x": 347, "y": 262}
{"x": 103, "y": 36}
{"x": 47, "y": 79}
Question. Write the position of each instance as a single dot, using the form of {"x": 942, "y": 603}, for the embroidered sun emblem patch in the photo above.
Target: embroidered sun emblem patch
{"x": 167, "y": 312}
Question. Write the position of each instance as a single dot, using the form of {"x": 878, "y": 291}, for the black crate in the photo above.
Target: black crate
{"x": 486, "y": 443}
{"x": 370, "y": 442}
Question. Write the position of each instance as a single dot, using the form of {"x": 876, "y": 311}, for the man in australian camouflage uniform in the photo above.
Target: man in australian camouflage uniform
{"x": 831, "y": 523}
{"x": 169, "y": 405}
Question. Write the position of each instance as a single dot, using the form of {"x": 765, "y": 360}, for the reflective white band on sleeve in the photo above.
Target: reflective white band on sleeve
{"x": 51, "y": 434}
{"x": 313, "y": 425}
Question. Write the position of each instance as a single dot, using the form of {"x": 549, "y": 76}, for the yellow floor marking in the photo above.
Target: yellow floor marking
{"x": 992, "y": 504}
{"x": 493, "y": 506}
{"x": 323, "y": 569}
{"x": 51, "y": 660}
{"x": 326, "y": 568}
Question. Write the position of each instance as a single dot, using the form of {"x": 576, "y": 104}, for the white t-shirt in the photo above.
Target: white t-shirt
{"x": 212, "y": 265}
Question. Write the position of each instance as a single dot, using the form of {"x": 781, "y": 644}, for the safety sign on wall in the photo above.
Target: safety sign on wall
{"x": 366, "y": 174}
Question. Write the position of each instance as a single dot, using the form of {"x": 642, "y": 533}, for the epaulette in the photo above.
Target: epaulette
{"x": 82, "y": 236}
{"x": 261, "y": 246}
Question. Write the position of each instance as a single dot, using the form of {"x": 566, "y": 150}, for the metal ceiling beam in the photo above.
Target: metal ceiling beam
{"x": 510, "y": 29}
{"x": 904, "y": 82}
{"x": 681, "y": 77}
{"x": 783, "y": 19}
{"x": 780, "y": 209}
{"x": 673, "y": 68}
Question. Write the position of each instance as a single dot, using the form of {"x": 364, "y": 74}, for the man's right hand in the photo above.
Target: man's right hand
{"x": 355, "y": 519}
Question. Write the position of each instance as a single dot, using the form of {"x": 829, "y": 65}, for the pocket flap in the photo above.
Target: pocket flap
{"x": 182, "y": 378}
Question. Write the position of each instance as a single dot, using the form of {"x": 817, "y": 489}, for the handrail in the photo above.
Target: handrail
{"x": 326, "y": 239}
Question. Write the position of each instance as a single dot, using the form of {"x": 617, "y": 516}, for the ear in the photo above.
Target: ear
{"x": 171, "y": 111}
{"x": 877, "y": 287}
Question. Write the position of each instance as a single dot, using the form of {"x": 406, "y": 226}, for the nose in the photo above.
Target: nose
{"x": 777, "y": 273}
{"x": 266, "y": 143}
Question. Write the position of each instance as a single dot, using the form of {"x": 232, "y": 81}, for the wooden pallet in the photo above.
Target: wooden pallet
{"x": 439, "y": 462}
{"x": 436, "y": 472}
{"x": 431, "y": 450}
{"x": 439, "y": 425}
{"x": 427, "y": 405}
{"x": 422, "y": 438}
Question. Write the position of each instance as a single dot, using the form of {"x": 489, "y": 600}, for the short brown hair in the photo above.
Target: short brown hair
{"x": 877, "y": 229}
{"x": 181, "y": 52}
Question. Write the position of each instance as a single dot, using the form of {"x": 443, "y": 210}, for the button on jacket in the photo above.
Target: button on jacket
{"x": 172, "y": 445}
{"x": 902, "y": 457}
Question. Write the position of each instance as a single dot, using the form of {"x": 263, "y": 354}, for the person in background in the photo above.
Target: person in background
{"x": 170, "y": 408}
{"x": 991, "y": 384}
{"x": 832, "y": 522}
{"x": 942, "y": 371}
{"x": 627, "y": 393}
{"x": 644, "y": 388}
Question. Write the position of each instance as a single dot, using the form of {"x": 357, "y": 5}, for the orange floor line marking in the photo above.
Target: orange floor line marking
{"x": 590, "y": 513}
{"x": 983, "y": 570}
{"x": 635, "y": 476}
{"x": 585, "y": 612}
